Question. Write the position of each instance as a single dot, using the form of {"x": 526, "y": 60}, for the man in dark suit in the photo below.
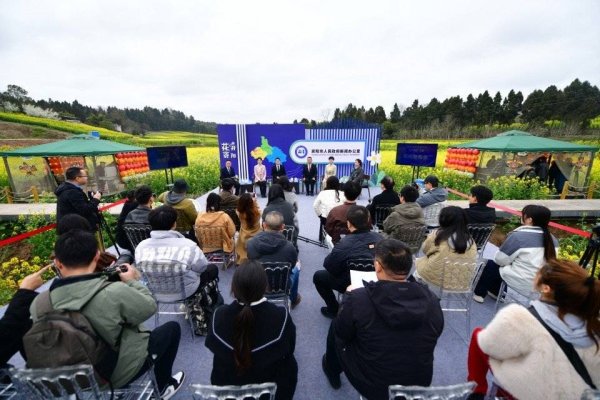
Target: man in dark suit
{"x": 228, "y": 172}
{"x": 309, "y": 176}
{"x": 277, "y": 170}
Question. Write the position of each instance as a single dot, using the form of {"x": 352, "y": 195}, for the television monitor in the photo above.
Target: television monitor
{"x": 416, "y": 154}
{"x": 166, "y": 157}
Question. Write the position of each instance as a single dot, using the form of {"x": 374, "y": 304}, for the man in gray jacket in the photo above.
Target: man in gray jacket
{"x": 406, "y": 214}
{"x": 167, "y": 244}
{"x": 433, "y": 194}
{"x": 145, "y": 198}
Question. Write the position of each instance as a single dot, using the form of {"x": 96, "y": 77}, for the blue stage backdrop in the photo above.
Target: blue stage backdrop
{"x": 292, "y": 143}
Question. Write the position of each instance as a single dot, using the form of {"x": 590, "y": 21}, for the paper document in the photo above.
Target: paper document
{"x": 489, "y": 251}
{"x": 357, "y": 277}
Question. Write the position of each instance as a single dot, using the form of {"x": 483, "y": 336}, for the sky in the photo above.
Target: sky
{"x": 276, "y": 61}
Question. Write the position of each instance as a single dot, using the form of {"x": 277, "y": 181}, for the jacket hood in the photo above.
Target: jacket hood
{"x": 74, "y": 293}
{"x": 165, "y": 234}
{"x": 64, "y": 187}
{"x": 400, "y": 304}
{"x": 409, "y": 210}
{"x": 211, "y": 217}
{"x": 571, "y": 328}
{"x": 174, "y": 198}
{"x": 269, "y": 242}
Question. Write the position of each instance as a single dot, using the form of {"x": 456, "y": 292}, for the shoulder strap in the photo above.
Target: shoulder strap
{"x": 569, "y": 351}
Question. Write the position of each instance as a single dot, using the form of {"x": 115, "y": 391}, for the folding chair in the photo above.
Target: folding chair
{"x": 431, "y": 214}
{"x": 278, "y": 277}
{"x": 136, "y": 233}
{"x": 590, "y": 394}
{"x": 413, "y": 236}
{"x": 288, "y": 232}
{"x": 507, "y": 294}
{"x": 481, "y": 234}
{"x": 358, "y": 264}
{"x": 7, "y": 391}
{"x": 366, "y": 184}
{"x": 381, "y": 213}
{"x": 451, "y": 392}
{"x": 211, "y": 238}
{"x": 166, "y": 281}
{"x": 245, "y": 392}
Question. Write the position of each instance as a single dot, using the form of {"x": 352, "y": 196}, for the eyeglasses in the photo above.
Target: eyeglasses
{"x": 82, "y": 176}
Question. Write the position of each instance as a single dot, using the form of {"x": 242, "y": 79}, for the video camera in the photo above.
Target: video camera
{"x": 113, "y": 272}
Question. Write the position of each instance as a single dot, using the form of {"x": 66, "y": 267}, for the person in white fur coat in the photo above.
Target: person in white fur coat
{"x": 525, "y": 359}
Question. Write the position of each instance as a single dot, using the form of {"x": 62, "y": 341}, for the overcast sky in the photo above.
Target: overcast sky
{"x": 275, "y": 61}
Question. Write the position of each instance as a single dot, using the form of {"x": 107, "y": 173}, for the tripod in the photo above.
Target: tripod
{"x": 591, "y": 251}
{"x": 102, "y": 224}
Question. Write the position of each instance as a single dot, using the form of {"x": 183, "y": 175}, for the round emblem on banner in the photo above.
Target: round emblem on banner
{"x": 301, "y": 151}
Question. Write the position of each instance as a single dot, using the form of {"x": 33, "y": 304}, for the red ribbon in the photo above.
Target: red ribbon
{"x": 565, "y": 228}
{"x": 23, "y": 236}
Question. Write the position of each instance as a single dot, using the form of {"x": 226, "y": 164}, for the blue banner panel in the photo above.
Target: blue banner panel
{"x": 416, "y": 154}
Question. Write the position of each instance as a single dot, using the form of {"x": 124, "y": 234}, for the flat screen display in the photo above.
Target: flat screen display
{"x": 416, "y": 154}
{"x": 167, "y": 157}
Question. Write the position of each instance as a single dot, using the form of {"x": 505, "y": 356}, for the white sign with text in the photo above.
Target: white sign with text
{"x": 320, "y": 151}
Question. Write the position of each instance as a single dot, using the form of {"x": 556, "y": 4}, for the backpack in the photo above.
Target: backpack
{"x": 66, "y": 337}
{"x": 203, "y": 304}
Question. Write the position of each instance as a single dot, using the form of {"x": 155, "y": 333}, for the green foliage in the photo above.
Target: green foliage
{"x": 14, "y": 270}
{"x": 511, "y": 188}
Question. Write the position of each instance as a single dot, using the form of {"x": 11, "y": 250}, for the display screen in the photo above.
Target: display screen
{"x": 416, "y": 154}
{"x": 167, "y": 157}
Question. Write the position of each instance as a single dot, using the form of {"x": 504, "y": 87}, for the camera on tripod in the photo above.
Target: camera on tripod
{"x": 590, "y": 255}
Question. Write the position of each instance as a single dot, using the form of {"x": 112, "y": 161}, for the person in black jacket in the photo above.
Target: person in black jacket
{"x": 129, "y": 205}
{"x": 277, "y": 170}
{"x": 252, "y": 340}
{"x": 309, "y": 176}
{"x": 276, "y": 202}
{"x": 388, "y": 196}
{"x": 72, "y": 199}
{"x": 478, "y": 211}
{"x": 358, "y": 244}
{"x": 17, "y": 320}
{"x": 228, "y": 172}
{"x": 385, "y": 333}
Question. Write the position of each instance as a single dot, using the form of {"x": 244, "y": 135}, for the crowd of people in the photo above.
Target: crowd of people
{"x": 380, "y": 334}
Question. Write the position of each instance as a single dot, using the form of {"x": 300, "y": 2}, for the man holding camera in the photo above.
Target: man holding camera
{"x": 72, "y": 199}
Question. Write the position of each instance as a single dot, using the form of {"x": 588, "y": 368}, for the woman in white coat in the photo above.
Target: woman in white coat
{"x": 326, "y": 200}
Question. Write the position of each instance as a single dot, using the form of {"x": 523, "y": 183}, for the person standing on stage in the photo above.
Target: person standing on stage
{"x": 72, "y": 199}
{"x": 330, "y": 170}
{"x": 228, "y": 172}
{"x": 260, "y": 177}
{"x": 309, "y": 176}
{"x": 277, "y": 170}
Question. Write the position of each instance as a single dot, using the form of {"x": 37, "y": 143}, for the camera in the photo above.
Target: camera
{"x": 91, "y": 194}
{"x": 113, "y": 272}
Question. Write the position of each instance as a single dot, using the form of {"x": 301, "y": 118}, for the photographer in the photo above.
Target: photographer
{"x": 72, "y": 199}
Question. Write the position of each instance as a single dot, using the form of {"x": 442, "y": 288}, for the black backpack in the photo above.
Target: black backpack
{"x": 66, "y": 337}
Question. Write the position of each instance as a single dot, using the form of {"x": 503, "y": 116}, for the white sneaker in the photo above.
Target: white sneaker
{"x": 174, "y": 387}
{"x": 478, "y": 299}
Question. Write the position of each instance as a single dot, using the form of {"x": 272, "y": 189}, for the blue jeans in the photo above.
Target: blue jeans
{"x": 294, "y": 280}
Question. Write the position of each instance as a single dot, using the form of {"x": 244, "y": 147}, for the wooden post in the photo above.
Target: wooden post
{"x": 35, "y": 193}
{"x": 9, "y": 197}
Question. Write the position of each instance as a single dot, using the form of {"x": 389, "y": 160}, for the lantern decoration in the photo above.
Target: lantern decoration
{"x": 131, "y": 163}
{"x": 58, "y": 165}
{"x": 462, "y": 160}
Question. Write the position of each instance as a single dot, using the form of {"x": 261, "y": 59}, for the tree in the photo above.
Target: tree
{"x": 395, "y": 115}
{"x": 497, "y": 108}
{"x": 17, "y": 93}
{"x": 379, "y": 116}
{"x": 470, "y": 109}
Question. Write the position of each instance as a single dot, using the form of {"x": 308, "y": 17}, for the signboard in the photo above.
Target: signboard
{"x": 416, "y": 154}
{"x": 167, "y": 157}
{"x": 344, "y": 152}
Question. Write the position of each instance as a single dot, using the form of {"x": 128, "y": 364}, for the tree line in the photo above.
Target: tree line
{"x": 130, "y": 120}
{"x": 575, "y": 105}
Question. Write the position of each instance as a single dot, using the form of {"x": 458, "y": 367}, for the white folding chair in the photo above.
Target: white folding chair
{"x": 278, "y": 278}
{"x": 262, "y": 391}
{"x": 451, "y": 392}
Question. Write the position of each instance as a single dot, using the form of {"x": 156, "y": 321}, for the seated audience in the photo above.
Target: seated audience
{"x": 450, "y": 242}
{"x": 116, "y": 311}
{"x": 168, "y": 245}
{"x": 228, "y": 199}
{"x": 478, "y": 211}
{"x": 252, "y": 340}
{"x": 357, "y": 175}
{"x": 16, "y": 320}
{"x": 288, "y": 192}
{"x": 186, "y": 210}
{"x": 129, "y": 205}
{"x": 249, "y": 214}
{"x": 388, "y": 196}
{"x": 404, "y": 215}
{"x": 144, "y": 197}
{"x": 433, "y": 194}
{"x": 277, "y": 202}
{"x": 386, "y": 332}
{"x": 520, "y": 256}
{"x": 214, "y": 217}
{"x": 271, "y": 246}
{"x": 327, "y": 199}
{"x": 335, "y": 225}
{"x": 227, "y": 172}
{"x": 521, "y": 346}
{"x": 358, "y": 244}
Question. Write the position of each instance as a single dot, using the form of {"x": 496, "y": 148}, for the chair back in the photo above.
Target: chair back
{"x": 590, "y": 394}
{"x": 245, "y": 392}
{"x": 136, "y": 233}
{"x": 231, "y": 211}
{"x": 209, "y": 237}
{"x": 278, "y": 278}
{"x": 413, "y": 236}
{"x": 481, "y": 233}
{"x": 458, "y": 276}
{"x": 365, "y": 181}
{"x": 451, "y": 392}
{"x": 381, "y": 213}
{"x": 76, "y": 381}
{"x": 361, "y": 264}
{"x": 288, "y": 232}
{"x": 431, "y": 214}
{"x": 165, "y": 279}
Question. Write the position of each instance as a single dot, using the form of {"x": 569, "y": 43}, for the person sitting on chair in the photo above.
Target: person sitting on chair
{"x": 277, "y": 170}
{"x": 388, "y": 196}
{"x": 228, "y": 172}
{"x": 253, "y": 340}
{"x": 433, "y": 194}
{"x": 144, "y": 198}
{"x": 278, "y": 203}
{"x": 214, "y": 217}
{"x": 186, "y": 210}
{"x": 309, "y": 176}
{"x": 478, "y": 211}
{"x": 386, "y": 332}
{"x": 326, "y": 200}
{"x": 406, "y": 214}
{"x": 335, "y": 226}
{"x": 357, "y": 175}
{"x": 358, "y": 244}
{"x": 330, "y": 170}
{"x": 260, "y": 177}
{"x": 228, "y": 199}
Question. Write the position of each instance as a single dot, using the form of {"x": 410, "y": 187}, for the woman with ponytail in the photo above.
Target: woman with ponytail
{"x": 533, "y": 353}
{"x": 521, "y": 255}
{"x": 252, "y": 340}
